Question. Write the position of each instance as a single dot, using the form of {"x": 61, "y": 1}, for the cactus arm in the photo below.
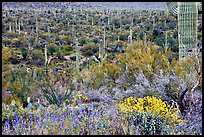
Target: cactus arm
{"x": 105, "y": 56}
{"x": 94, "y": 57}
{"x": 173, "y": 7}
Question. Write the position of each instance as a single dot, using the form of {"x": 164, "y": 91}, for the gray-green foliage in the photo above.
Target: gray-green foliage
{"x": 147, "y": 124}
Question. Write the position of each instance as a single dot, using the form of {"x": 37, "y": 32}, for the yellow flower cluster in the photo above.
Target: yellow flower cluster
{"x": 80, "y": 97}
{"x": 153, "y": 105}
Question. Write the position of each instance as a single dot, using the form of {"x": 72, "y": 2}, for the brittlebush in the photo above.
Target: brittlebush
{"x": 153, "y": 105}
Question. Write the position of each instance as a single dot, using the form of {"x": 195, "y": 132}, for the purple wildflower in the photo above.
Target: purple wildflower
{"x": 52, "y": 133}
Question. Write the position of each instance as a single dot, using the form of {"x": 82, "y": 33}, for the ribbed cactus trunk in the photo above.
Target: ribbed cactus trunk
{"x": 187, "y": 28}
{"x": 187, "y": 13}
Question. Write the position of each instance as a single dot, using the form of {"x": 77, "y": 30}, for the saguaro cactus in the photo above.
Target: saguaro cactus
{"x": 166, "y": 44}
{"x": 102, "y": 54}
{"x": 130, "y": 37}
{"x": 101, "y": 50}
{"x": 45, "y": 51}
{"x": 187, "y": 13}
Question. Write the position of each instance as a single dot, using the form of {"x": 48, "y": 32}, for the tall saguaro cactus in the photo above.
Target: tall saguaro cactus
{"x": 187, "y": 13}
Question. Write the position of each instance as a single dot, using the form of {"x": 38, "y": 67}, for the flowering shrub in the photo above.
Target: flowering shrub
{"x": 153, "y": 105}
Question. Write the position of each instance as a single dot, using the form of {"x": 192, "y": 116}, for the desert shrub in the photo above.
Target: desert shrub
{"x": 20, "y": 85}
{"x": 153, "y": 105}
{"x": 37, "y": 54}
{"x": 89, "y": 49}
{"x": 148, "y": 124}
{"x": 52, "y": 48}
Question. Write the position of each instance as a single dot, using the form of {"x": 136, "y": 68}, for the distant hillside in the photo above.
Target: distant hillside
{"x": 110, "y": 5}
{"x": 135, "y": 5}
